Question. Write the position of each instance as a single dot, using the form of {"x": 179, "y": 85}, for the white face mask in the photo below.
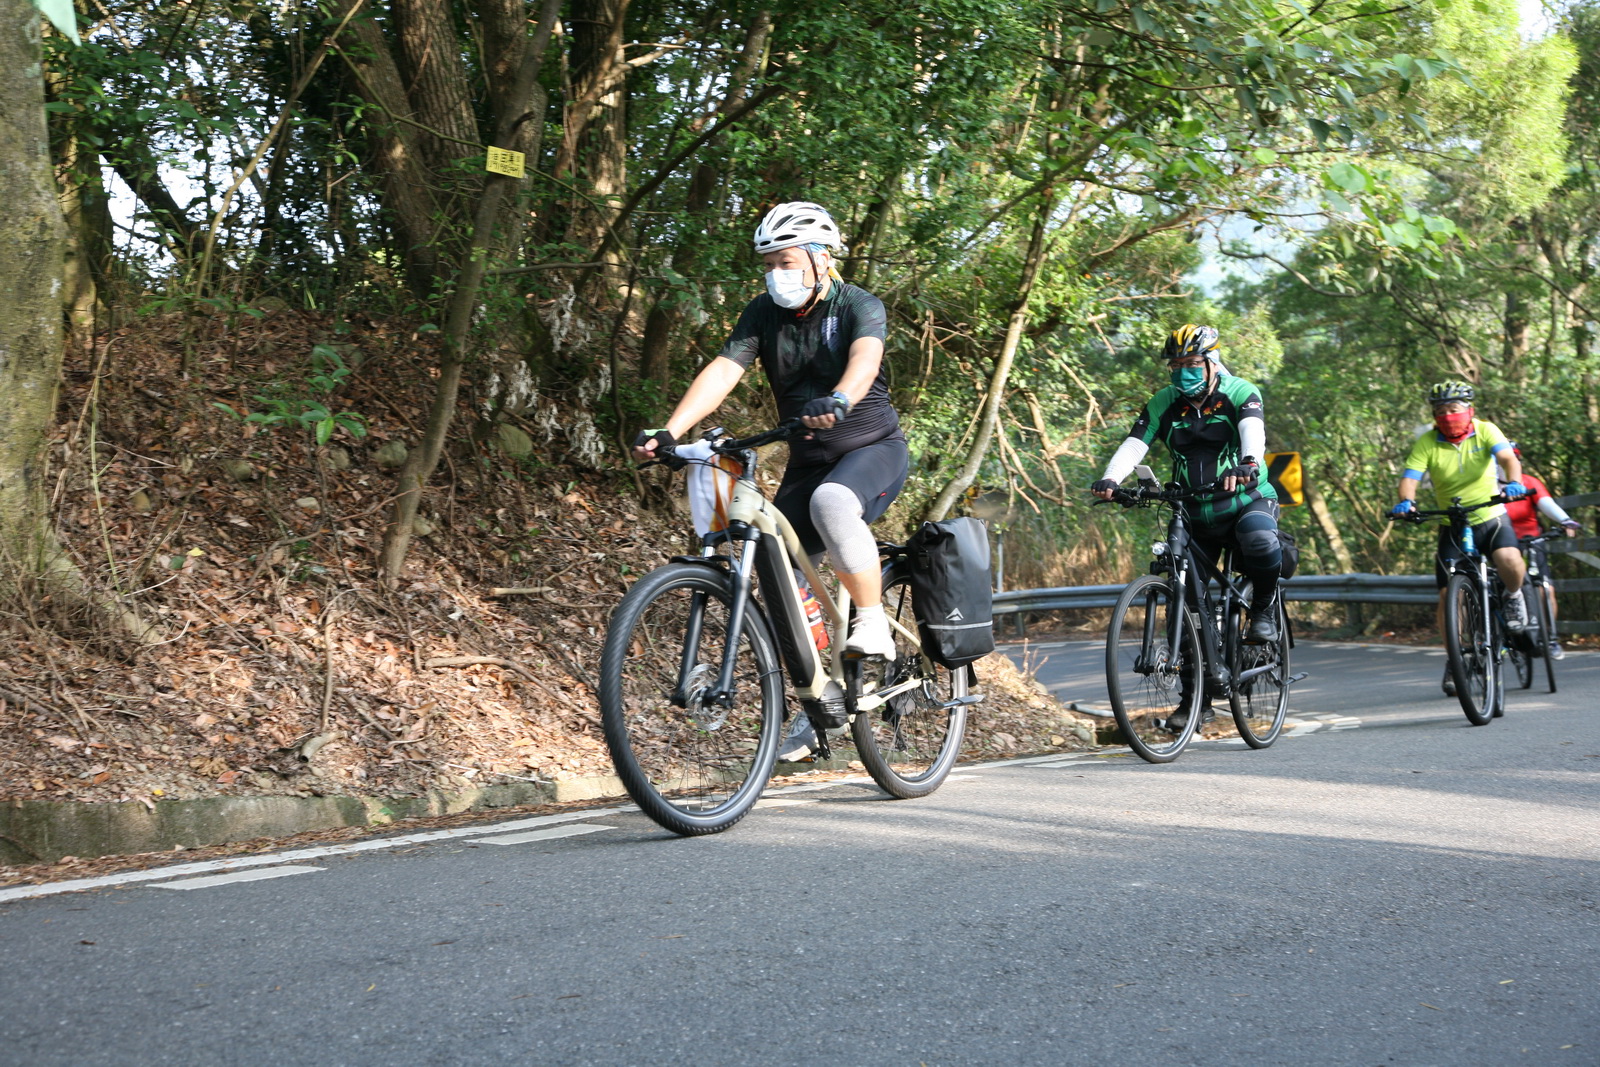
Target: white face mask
{"x": 788, "y": 288}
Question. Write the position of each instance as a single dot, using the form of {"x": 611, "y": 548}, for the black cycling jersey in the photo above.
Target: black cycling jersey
{"x": 804, "y": 358}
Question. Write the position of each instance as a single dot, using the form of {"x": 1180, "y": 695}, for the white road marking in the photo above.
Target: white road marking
{"x": 549, "y": 833}
{"x": 811, "y": 787}
{"x": 236, "y": 876}
{"x": 783, "y": 802}
{"x": 24, "y": 892}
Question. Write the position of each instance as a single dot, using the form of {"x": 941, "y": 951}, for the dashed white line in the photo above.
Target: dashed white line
{"x": 24, "y": 892}
{"x": 549, "y": 833}
{"x": 236, "y": 876}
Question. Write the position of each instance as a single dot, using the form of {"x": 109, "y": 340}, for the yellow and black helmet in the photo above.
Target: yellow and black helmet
{"x": 1191, "y": 340}
{"x": 1451, "y": 389}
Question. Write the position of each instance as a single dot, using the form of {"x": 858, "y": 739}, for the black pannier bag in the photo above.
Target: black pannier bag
{"x": 952, "y": 590}
{"x": 1291, "y": 554}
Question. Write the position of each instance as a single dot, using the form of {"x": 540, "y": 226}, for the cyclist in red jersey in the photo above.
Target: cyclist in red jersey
{"x": 1524, "y": 515}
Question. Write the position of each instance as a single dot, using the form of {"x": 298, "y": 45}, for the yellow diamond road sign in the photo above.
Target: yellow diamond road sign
{"x": 1283, "y": 471}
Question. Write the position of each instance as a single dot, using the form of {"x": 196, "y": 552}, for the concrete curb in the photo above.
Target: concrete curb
{"x": 43, "y": 831}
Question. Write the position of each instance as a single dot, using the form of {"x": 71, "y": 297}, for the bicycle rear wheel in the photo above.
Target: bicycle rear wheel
{"x": 1472, "y": 659}
{"x": 693, "y": 766}
{"x": 910, "y": 744}
{"x": 1547, "y": 632}
{"x": 1147, "y": 681}
{"x": 1260, "y": 702}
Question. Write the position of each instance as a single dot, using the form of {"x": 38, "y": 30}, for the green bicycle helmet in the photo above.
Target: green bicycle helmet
{"x": 1451, "y": 389}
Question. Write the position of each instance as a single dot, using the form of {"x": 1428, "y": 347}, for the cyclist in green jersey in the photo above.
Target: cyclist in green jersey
{"x": 1460, "y": 453}
{"x": 1211, "y": 423}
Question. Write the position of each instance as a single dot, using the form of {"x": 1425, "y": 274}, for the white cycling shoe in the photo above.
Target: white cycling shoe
{"x": 870, "y": 636}
{"x": 1516, "y": 611}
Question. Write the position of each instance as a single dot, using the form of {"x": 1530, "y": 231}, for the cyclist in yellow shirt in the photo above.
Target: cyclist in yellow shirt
{"x": 1460, "y": 454}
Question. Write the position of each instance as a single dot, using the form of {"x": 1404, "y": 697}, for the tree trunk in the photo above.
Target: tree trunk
{"x": 395, "y": 147}
{"x": 517, "y": 132}
{"x": 990, "y": 419}
{"x": 594, "y": 144}
{"x": 33, "y": 246}
{"x": 1330, "y": 529}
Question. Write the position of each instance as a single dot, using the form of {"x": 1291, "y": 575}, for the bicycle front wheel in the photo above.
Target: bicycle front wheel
{"x": 910, "y": 744}
{"x": 693, "y": 765}
{"x": 1472, "y": 657}
{"x": 1522, "y": 665}
{"x": 1148, "y": 681}
{"x": 1547, "y": 630}
{"x": 1260, "y": 702}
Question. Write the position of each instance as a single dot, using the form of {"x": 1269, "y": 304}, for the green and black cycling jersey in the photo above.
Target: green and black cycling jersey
{"x": 804, "y": 358}
{"x": 1203, "y": 438}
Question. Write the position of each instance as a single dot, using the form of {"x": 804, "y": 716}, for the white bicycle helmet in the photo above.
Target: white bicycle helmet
{"x": 797, "y": 223}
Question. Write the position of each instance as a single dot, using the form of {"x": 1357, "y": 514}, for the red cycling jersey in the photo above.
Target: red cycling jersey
{"x": 1524, "y": 513}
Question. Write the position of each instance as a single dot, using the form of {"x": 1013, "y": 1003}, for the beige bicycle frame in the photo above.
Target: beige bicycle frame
{"x": 750, "y": 506}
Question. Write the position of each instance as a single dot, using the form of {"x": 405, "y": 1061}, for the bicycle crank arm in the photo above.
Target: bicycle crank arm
{"x": 1245, "y": 676}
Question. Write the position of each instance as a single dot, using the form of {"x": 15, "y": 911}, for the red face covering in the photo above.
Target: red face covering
{"x": 1453, "y": 426}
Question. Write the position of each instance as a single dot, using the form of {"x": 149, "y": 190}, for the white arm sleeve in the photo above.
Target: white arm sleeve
{"x": 1131, "y": 451}
{"x": 1253, "y": 439}
{"x": 1549, "y": 507}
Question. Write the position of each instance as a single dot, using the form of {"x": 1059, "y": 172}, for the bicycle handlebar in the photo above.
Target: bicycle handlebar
{"x": 1456, "y": 507}
{"x": 782, "y": 432}
{"x": 1168, "y": 494}
{"x": 727, "y": 446}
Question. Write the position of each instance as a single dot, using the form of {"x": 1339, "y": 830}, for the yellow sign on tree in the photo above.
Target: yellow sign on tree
{"x": 1283, "y": 471}
{"x": 504, "y": 161}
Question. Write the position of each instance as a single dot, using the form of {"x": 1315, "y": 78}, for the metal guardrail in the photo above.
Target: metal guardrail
{"x": 1336, "y": 588}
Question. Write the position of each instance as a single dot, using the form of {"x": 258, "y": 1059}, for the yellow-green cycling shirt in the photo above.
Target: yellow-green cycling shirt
{"x": 1465, "y": 469}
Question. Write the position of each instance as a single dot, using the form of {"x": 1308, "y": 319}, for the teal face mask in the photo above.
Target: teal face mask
{"x": 1190, "y": 381}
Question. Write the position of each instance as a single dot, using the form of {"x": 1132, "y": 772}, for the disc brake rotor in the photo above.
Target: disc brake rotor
{"x": 708, "y": 716}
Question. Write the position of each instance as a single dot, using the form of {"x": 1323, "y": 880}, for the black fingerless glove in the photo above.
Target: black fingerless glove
{"x": 1245, "y": 473}
{"x": 662, "y": 438}
{"x": 1102, "y": 485}
{"x": 835, "y": 404}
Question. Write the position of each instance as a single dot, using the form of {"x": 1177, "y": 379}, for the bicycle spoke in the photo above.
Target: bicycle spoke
{"x": 692, "y": 763}
{"x": 909, "y": 743}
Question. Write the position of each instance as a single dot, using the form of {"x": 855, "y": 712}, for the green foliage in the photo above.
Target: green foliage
{"x": 304, "y": 403}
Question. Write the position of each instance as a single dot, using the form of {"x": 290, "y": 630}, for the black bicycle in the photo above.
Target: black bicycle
{"x": 1475, "y": 635}
{"x": 1535, "y": 592}
{"x": 691, "y": 676}
{"x": 1172, "y": 641}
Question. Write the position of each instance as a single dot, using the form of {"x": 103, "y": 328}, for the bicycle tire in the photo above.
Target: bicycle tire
{"x": 910, "y": 745}
{"x": 1261, "y": 703}
{"x": 694, "y": 769}
{"x": 1547, "y": 634}
{"x": 1467, "y": 638}
{"x": 1522, "y": 664}
{"x": 1145, "y": 682}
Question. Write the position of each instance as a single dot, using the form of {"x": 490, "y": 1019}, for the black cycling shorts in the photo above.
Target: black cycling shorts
{"x": 1494, "y": 532}
{"x": 875, "y": 473}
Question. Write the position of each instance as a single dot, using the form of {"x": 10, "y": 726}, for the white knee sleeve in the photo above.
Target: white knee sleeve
{"x": 836, "y": 513}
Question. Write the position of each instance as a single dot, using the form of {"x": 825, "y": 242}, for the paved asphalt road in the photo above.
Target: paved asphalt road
{"x": 1404, "y": 890}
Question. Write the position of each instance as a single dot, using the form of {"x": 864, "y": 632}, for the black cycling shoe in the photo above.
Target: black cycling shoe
{"x": 1449, "y": 683}
{"x": 1179, "y": 719}
{"x": 1263, "y": 628}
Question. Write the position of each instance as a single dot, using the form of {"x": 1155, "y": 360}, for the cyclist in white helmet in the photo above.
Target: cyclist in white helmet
{"x": 820, "y": 342}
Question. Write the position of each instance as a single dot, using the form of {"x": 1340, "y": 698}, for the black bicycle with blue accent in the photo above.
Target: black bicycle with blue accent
{"x": 1475, "y": 634}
